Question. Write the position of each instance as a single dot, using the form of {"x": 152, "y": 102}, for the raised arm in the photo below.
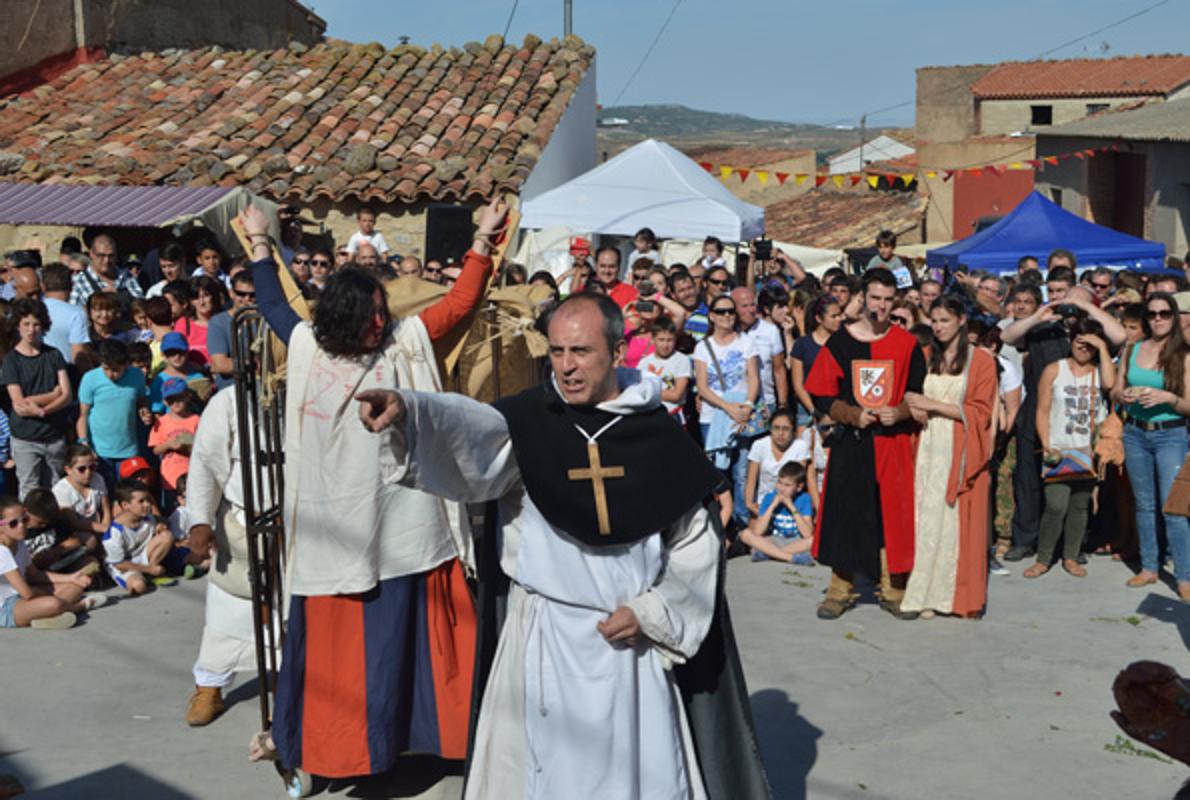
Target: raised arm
{"x": 270, "y": 298}
{"x": 468, "y": 290}
{"x": 1015, "y": 333}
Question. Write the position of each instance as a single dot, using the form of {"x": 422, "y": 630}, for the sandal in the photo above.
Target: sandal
{"x": 1036, "y": 571}
{"x": 1074, "y": 568}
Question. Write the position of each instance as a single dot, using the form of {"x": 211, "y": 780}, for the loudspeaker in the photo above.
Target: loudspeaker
{"x": 449, "y": 232}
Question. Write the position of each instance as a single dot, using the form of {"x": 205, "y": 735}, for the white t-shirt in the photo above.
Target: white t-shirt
{"x": 8, "y": 562}
{"x": 733, "y": 360}
{"x": 376, "y": 240}
{"x": 90, "y": 507}
{"x": 762, "y": 454}
{"x": 811, "y": 439}
{"x": 1010, "y": 376}
{"x": 668, "y": 371}
{"x": 179, "y": 523}
{"x": 122, "y": 543}
{"x": 769, "y": 343}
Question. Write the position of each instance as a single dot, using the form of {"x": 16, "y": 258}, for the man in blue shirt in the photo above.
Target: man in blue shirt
{"x": 243, "y": 294}
{"x": 68, "y": 332}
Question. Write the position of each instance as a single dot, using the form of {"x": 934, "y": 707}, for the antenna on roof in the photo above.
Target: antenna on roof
{"x": 567, "y": 17}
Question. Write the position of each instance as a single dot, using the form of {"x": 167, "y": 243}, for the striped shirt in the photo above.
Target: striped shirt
{"x": 87, "y": 283}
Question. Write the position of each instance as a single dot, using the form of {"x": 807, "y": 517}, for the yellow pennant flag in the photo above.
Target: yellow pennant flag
{"x": 763, "y": 176}
{"x": 1016, "y": 165}
{"x": 908, "y": 178}
{"x": 800, "y": 179}
{"x": 724, "y": 171}
{"x": 838, "y": 181}
{"x": 931, "y": 174}
{"x": 873, "y": 181}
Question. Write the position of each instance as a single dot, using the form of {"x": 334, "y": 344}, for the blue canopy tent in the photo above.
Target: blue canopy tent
{"x": 1037, "y": 226}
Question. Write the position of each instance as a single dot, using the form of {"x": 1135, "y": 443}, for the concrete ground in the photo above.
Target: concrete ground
{"x": 1014, "y": 706}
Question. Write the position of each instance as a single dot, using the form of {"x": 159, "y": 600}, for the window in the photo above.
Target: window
{"x": 1056, "y": 196}
{"x": 1095, "y": 108}
{"x": 1042, "y": 115}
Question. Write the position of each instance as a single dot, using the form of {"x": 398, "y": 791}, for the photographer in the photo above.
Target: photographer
{"x": 640, "y": 315}
{"x": 1043, "y": 337}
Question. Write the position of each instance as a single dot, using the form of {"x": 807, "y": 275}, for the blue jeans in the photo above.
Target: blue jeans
{"x": 1153, "y": 459}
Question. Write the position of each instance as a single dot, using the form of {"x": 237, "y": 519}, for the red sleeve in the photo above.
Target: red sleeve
{"x": 462, "y": 298}
{"x": 824, "y": 377}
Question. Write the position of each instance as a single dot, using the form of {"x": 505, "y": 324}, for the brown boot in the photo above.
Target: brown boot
{"x": 205, "y": 705}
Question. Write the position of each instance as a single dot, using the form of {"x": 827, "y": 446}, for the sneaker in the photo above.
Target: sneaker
{"x": 996, "y": 568}
{"x": 165, "y": 580}
{"x": 1019, "y": 552}
{"x": 759, "y": 556}
{"x": 803, "y": 560}
{"x": 93, "y": 601}
{"x": 192, "y": 571}
{"x": 59, "y": 623}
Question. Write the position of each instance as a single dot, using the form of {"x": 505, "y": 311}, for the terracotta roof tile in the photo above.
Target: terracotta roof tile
{"x": 336, "y": 120}
{"x": 834, "y": 220}
{"x": 1085, "y": 77}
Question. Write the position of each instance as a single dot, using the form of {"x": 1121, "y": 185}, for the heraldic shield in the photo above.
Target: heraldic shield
{"x": 873, "y": 382}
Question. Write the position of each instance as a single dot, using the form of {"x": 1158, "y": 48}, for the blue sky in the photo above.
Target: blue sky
{"x": 793, "y": 60}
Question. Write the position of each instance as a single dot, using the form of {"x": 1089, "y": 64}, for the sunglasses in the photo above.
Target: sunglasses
{"x": 730, "y": 311}
{"x": 717, "y": 281}
{"x": 1101, "y": 285}
{"x": 1164, "y": 313}
{"x": 246, "y": 295}
{"x": 904, "y": 322}
{"x": 83, "y": 468}
{"x": 15, "y": 523}
{"x": 320, "y": 262}
{"x": 825, "y": 428}
{"x": 301, "y": 261}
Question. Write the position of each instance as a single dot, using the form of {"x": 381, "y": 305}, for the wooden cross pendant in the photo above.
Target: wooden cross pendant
{"x": 596, "y": 473}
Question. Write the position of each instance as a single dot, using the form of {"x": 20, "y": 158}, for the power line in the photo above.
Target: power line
{"x": 511, "y": 14}
{"x": 648, "y": 52}
{"x": 1104, "y": 28}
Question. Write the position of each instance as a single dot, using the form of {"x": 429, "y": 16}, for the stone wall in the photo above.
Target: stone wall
{"x": 945, "y": 106}
{"x": 1008, "y": 116}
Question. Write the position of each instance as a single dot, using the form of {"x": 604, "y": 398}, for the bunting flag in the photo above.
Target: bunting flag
{"x": 906, "y": 179}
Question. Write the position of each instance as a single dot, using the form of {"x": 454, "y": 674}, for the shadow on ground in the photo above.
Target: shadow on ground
{"x": 788, "y": 743}
{"x": 1168, "y": 609}
{"x": 118, "y": 781}
{"x": 411, "y": 776}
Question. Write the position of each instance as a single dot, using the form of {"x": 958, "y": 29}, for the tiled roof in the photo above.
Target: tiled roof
{"x": 746, "y": 157}
{"x": 335, "y": 120}
{"x": 1152, "y": 122}
{"x": 1085, "y": 77}
{"x": 832, "y": 219}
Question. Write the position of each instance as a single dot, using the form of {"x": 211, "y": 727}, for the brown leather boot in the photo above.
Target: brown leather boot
{"x": 205, "y": 705}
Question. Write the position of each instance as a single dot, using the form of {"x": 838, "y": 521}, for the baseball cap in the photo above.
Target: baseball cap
{"x": 172, "y": 388}
{"x": 131, "y": 466}
{"x": 174, "y": 341}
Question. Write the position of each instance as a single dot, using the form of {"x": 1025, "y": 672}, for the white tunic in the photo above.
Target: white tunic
{"x": 349, "y": 523}
{"x": 565, "y": 713}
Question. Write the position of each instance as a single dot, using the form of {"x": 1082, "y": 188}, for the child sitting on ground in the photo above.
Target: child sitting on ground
{"x": 30, "y": 597}
{"x": 673, "y": 369}
{"x": 53, "y": 546}
{"x": 179, "y": 526}
{"x": 137, "y": 545}
{"x": 83, "y": 503}
{"x": 784, "y": 530}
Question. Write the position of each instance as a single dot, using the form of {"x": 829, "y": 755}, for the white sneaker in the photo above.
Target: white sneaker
{"x": 94, "y": 600}
{"x": 59, "y": 623}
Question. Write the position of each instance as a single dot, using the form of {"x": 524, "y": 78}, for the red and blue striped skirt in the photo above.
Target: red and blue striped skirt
{"x": 367, "y": 677}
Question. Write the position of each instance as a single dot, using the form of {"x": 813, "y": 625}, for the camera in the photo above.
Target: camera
{"x": 645, "y": 305}
{"x": 764, "y": 249}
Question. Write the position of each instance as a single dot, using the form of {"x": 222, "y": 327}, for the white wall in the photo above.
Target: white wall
{"x": 571, "y": 150}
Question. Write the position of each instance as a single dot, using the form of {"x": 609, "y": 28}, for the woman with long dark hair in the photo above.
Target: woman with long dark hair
{"x": 1152, "y": 385}
{"x": 373, "y": 566}
{"x": 209, "y": 298}
{"x": 826, "y": 315}
{"x": 956, "y": 408}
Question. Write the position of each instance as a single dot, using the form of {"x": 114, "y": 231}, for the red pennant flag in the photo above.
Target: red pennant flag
{"x": 707, "y": 165}
{"x": 1116, "y": 146}
{"x": 1080, "y": 155}
{"x": 855, "y": 179}
{"x": 1034, "y": 163}
{"x": 744, "y": 173}
{"x": 1052, "y": 160}
{"x": 975, "y": 171}
{"x": 782, "y": 177}
{"x": 1090, "y": 151}
{"x": 997, "y": 168}
{"x": 819, "y": 180}
{"x": 947, "y": 174}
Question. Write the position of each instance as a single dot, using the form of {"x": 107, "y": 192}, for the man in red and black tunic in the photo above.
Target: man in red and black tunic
{"x": 866, "y": 522}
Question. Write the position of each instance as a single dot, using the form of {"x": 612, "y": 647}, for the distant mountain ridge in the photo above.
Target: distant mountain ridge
{"x": 679, "y": 120}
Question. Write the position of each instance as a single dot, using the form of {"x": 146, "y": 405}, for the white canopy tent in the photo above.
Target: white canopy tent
{"x": 649, "y": 185}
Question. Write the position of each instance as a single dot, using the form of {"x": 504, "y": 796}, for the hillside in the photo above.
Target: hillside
{"x": 692, "y": 129}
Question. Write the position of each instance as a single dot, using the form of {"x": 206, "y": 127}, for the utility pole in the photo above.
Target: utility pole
{"x": 567, "y": 17}
{"x": 863, "y": 127}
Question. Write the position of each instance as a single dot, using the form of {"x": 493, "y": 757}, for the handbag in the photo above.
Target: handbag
{"x": 758, "y": 423}
{"x": 1076, "y": 463}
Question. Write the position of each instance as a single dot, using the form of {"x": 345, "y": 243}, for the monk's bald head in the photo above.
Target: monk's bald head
{"x": 586, "y": 333}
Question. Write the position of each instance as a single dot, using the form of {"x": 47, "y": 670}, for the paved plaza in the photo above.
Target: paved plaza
{"x": 866, "y": 707}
